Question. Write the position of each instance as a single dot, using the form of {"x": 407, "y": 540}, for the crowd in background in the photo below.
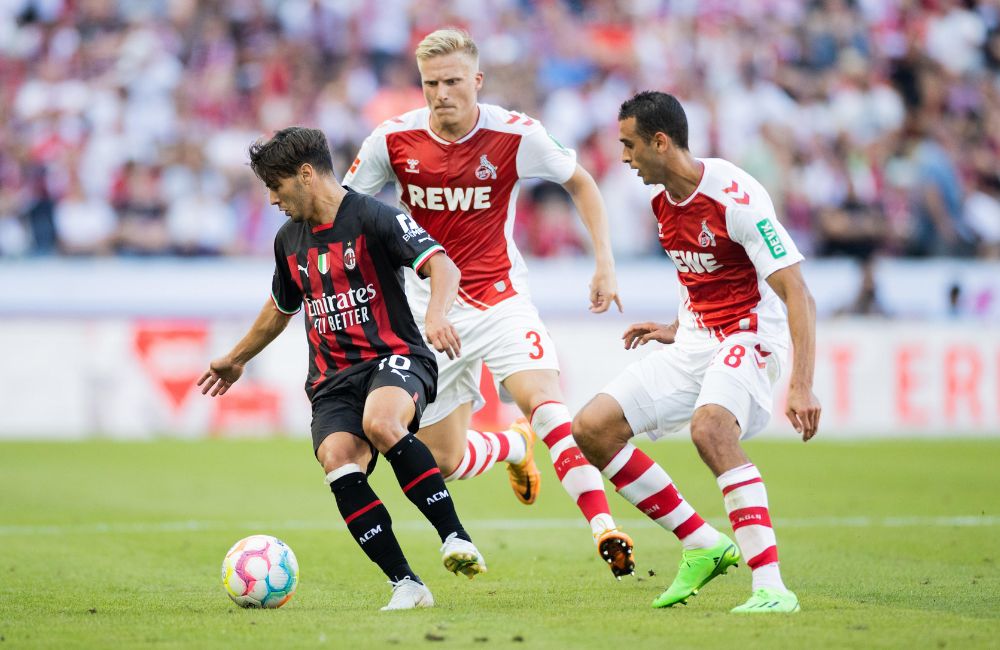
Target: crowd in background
{"x": 874, "y": 124}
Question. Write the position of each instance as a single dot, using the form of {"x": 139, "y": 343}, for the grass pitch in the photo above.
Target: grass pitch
{"x": 889, "y": 544}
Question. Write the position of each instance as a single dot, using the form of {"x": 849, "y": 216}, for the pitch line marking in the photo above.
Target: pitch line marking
{"x": 275, "y": 526}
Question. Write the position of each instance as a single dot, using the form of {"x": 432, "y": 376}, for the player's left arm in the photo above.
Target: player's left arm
{"x": 444, "y": 276}
{"x": 803, "y": 408}
{"x": 587, "y": 198}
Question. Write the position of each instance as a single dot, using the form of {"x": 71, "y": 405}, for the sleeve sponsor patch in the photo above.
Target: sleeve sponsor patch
{"x": 771, "y": 238}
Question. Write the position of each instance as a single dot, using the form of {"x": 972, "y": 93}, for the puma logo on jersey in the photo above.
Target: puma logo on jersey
{"x": 304, "y": 269}
{"x": 692, "y": 262}
{"x": 449, "y": 198}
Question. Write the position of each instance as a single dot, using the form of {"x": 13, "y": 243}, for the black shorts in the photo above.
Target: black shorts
{"x": 342, "y": 408}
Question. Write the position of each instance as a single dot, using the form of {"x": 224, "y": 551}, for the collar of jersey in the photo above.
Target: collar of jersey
{"x": 475, "y": 129}
{"x": 697, "y": 189}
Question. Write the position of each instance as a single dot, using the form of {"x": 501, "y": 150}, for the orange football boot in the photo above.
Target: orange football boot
{"x": 524, "y": 477}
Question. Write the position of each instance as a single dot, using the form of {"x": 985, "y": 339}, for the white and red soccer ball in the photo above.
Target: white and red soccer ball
{"x": 260, "y": 571}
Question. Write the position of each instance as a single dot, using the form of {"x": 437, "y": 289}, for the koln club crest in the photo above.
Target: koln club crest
{"x": 486, "y": 169}
{"x": 350, "y": 258}
{"x": 706, "y": 237}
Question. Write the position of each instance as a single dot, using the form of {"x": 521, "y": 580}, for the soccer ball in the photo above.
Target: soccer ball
{"x": 260, "y": 571}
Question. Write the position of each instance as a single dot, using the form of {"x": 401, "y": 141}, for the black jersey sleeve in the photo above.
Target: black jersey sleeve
{"x": 285, "y": 292}
{"x": 408, "y": 244}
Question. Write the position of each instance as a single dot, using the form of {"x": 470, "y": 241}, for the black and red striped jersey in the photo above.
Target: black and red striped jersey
{"x": 349, "y": 276}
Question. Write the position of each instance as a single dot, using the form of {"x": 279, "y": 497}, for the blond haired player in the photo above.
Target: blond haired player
{"x": 457, "y": 164}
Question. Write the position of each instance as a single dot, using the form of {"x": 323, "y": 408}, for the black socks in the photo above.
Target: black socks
{"x": 369, "y": 523}
{"x": 421, "y": 480}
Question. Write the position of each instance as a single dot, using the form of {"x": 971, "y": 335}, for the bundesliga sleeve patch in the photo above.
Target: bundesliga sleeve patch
{"x": 771, "y": 238}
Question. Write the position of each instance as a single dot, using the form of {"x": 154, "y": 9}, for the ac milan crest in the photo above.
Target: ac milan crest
{"x": 486, "y": 169}
{"x": 350, "y": 259}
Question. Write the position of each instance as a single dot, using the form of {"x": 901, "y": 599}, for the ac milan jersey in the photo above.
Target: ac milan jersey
{"x": 464, "y": 192}
{"x": 725, "y": 240}
{"x": 349, "y": 276}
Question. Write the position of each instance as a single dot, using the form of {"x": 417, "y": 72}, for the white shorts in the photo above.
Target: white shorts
{"x": 660, "y": 392}
{"x": 508, "y": 337}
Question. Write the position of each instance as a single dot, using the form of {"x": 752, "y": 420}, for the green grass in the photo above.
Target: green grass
{"x": 119, "y": 545}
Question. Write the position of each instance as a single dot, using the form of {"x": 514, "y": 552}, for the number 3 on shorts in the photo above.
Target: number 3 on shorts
{"x": 536, "y": 342}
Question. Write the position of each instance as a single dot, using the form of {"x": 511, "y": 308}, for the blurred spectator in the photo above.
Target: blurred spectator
{"x": 139, "y": 203}
{"x": 939, "y": 226}
{"x": 875, "y": 125}
{"x": 199, "y": 222}
{"x": 982, "y": 212}
{"x": 551, "y": 228}
{"x": 867, "y": 302}
{"x": 852, "y": 223}
{"x": 39, "y": 212}
{"x": 85, "y": 225}
{"x": 14, "y": 237}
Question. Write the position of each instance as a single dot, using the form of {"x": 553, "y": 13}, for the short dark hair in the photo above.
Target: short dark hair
{"x": 286, "y": 151}
{"x": 657, "y": 112}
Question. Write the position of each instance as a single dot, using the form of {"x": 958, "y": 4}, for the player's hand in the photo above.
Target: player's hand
{"x": 221, "y": 374}
{"x": 442, "y": 335}
{"x": 604, "y": 291}
{"x": 642, "y": 333}
{"x": 803, "y": 409}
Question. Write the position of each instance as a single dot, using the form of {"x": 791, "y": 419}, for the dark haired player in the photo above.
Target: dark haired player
{"x": 738, "y": 271}
{"x": 370, "y": 374}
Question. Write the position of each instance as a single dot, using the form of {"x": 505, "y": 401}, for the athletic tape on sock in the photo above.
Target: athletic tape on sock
{"x": 343, "y": 470}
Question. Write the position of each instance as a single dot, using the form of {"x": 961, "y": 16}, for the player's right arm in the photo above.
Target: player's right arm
{"x": 224, "y": 371}
{"x": 286, "y": 300}
{"x": 642, "y": 333}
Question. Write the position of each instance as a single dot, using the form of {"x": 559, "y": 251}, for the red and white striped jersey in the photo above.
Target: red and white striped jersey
{"x": 725, "y": 240}
{"x": 464, "y": 192}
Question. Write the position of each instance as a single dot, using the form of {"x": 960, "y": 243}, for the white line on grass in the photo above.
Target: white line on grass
{"x": 474, "y": 524}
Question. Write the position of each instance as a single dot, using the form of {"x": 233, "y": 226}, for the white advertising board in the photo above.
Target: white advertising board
{"x": 134, "y": 378}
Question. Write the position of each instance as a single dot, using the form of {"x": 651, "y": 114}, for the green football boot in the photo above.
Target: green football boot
{"x": 697, "y": 567}
{"x": 769, "y": 601}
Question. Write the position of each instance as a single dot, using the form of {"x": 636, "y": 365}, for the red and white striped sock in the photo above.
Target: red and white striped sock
{"x": 484, "y": 449}
{"x": 552, "y": 423}
{"x": 746, "y": 502}
{"x": 645, "y": 485}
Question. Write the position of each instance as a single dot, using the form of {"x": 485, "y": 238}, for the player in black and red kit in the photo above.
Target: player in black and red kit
{"x": 370, "y": 374}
